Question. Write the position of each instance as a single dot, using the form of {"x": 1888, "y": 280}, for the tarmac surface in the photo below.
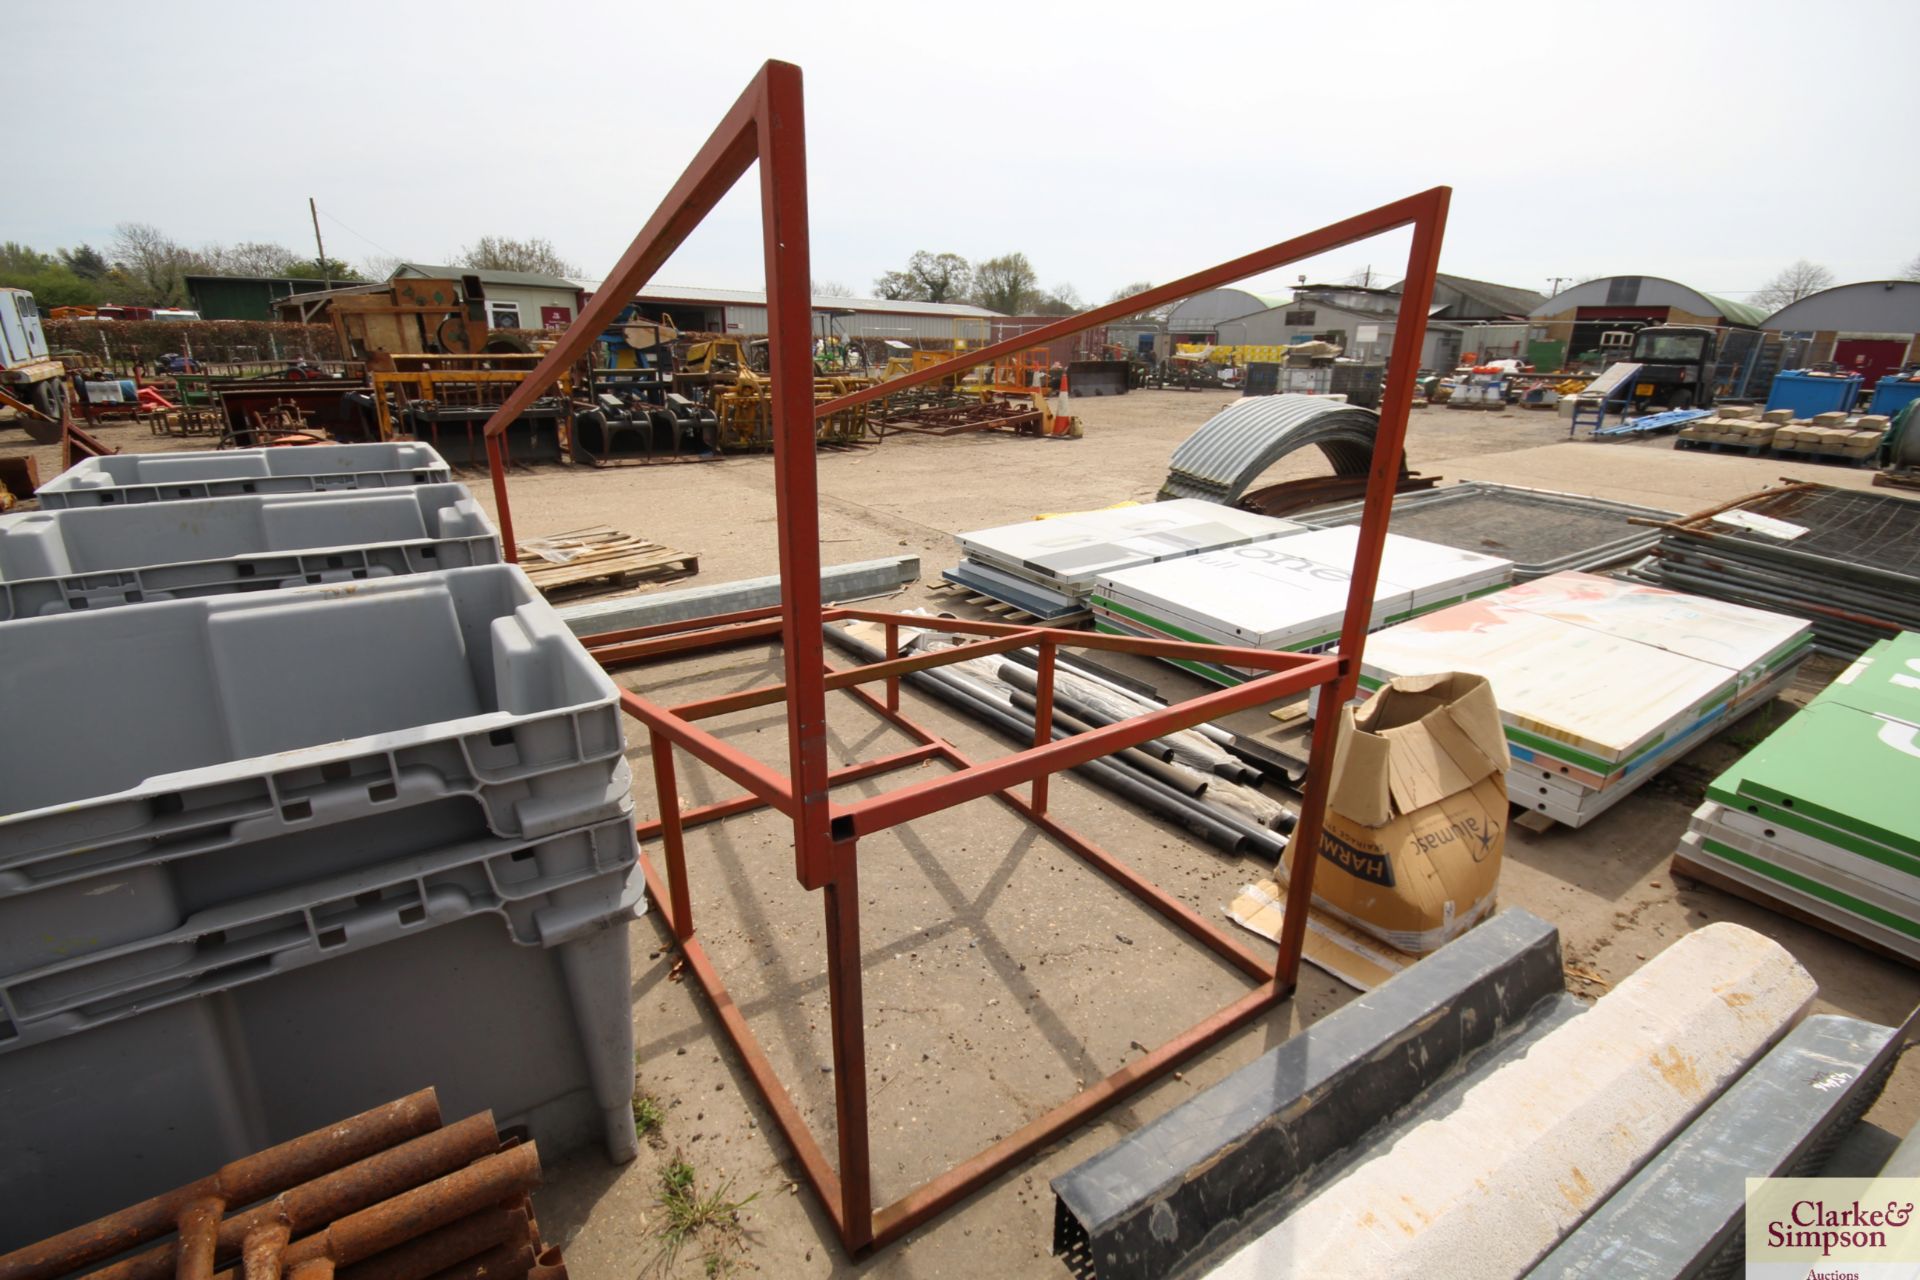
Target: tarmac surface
{"x": 1001, "y": 973}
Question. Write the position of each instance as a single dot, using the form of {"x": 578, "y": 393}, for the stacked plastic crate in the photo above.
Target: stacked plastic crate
{"x": 308, "y": 801}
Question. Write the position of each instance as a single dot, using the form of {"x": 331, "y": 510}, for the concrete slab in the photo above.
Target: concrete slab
{"x": 1489, "y": 1189}
{"x": 1680, "y": 1213}
{"x": 1141, "y": 1207}
{"x": 840, "y": 582}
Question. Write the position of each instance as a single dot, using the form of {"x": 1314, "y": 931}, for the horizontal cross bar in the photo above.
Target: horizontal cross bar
{"x": 774, "y": 788}
{"x": 922, "y": 798}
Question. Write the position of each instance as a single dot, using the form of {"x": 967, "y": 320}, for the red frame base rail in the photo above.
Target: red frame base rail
{"x": 767, "y": 125}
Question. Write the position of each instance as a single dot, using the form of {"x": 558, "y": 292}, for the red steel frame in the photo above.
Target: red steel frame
{"x": 766, "y": 125}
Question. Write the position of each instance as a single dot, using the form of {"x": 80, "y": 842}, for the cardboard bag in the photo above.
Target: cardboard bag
{"x": 1417, "y": 814}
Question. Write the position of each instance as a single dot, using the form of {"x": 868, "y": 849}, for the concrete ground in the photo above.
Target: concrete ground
{"x": 1000, "y": 972}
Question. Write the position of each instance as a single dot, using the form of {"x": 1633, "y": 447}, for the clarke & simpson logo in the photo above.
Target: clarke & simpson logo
{"x": 1832, "y": 1229}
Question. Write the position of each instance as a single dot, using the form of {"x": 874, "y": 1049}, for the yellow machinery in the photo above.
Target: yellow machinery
{"x": 744, "y": 411}
{"x": 913, "y": 362}
{"x": 716, "y": 356}
{"x": 457, "y": 380}
{"x": 1013, "y": 394}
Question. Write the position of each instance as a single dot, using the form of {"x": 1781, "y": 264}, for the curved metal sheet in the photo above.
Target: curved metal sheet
{"x": 1231, "y": 449}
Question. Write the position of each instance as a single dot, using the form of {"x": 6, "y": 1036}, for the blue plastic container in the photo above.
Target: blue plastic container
{"x": 1810, "y": 393}
{"x": 1892, "y": 394}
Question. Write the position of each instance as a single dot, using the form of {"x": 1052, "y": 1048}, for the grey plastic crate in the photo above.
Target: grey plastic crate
{"x": 407, "y": 706}
{"x": 76, "y": 944}
{"x": 108, "y": 1116}
{"x": 166, "y": 477}
{"x": 97, "y": 557}
{"x": 547, "y": 891}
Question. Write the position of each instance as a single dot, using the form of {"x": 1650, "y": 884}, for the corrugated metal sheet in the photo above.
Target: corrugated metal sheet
{"x": 1231, "y": 449}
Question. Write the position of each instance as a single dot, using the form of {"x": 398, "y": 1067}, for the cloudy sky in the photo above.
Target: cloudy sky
{"x": 1114, "y": 142}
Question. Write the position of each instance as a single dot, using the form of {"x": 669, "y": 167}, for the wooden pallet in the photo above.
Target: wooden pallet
{"x": 600, "y": 555}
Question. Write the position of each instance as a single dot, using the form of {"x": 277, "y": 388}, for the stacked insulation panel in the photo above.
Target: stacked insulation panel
{"x": 1047, "y": 568}
{"x": 1601, "y": 683}
{"x": 1819, "y": 820}
{"x": 1284, "y": 593}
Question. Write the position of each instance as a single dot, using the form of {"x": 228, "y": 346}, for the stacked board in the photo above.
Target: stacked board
{"x": 1285, "y": 593}
{"x": 1820, "y": 818}
{"x": 1601, "y": 683}
{"x": 1048, "y": 567}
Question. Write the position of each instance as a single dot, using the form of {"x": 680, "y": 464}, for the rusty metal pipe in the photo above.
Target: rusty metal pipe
{"x": 414, "y": 1213}
{"x": 261, "y": 1251}
{"x": 255, "y": 1177}
{"x": 449, "y": 1246}
{"x": 549, "y": 1266}
{"x": 199, "y": 1237}
{"x": 314, "y": 1204}
{"x": 507, "y": 1261}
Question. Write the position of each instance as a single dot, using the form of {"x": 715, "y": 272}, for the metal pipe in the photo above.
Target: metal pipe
{"x": 255, "y": 1177}
{"x": 1215, "y": 749}
{"x": 1188, "y": 783}
{"x": 1139, "y": 690}
{"x": 450, "y": 1245}
{"x": 199, "y": 1234}
{"x": 392, "y": 1222}
{"x": 1175, "y": 806}
{"x": 312, "y": 1205}
{"x": 549, "y": 1266}
{"x": 508, "y": 1261}
{"x": 919, "y": 799}
{"x": 1021, "y": 678}
{"x": 262, "y": 1250}
{"x": 1225, "y": 832}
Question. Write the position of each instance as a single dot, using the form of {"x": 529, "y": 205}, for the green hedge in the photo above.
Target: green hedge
{"x": 125, "y": 342}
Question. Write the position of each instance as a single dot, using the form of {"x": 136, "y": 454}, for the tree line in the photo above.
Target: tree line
{"x": 144, "y": 266}
{"x": 1007, "y": 284}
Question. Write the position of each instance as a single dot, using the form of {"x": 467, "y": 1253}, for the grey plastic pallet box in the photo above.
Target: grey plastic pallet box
{"x": 167, "y": 477}
{"x": 107, "y": 1117}
{"x": 84, "y": 955}
{"x": 73, "y": 558}
{"x": 347, "y": 724}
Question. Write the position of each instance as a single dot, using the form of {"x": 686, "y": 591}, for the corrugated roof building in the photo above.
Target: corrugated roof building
{"x": 1872, "y": 327}
{"x": 1576, "y": 318}
{"x": 1197, "y": 318}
